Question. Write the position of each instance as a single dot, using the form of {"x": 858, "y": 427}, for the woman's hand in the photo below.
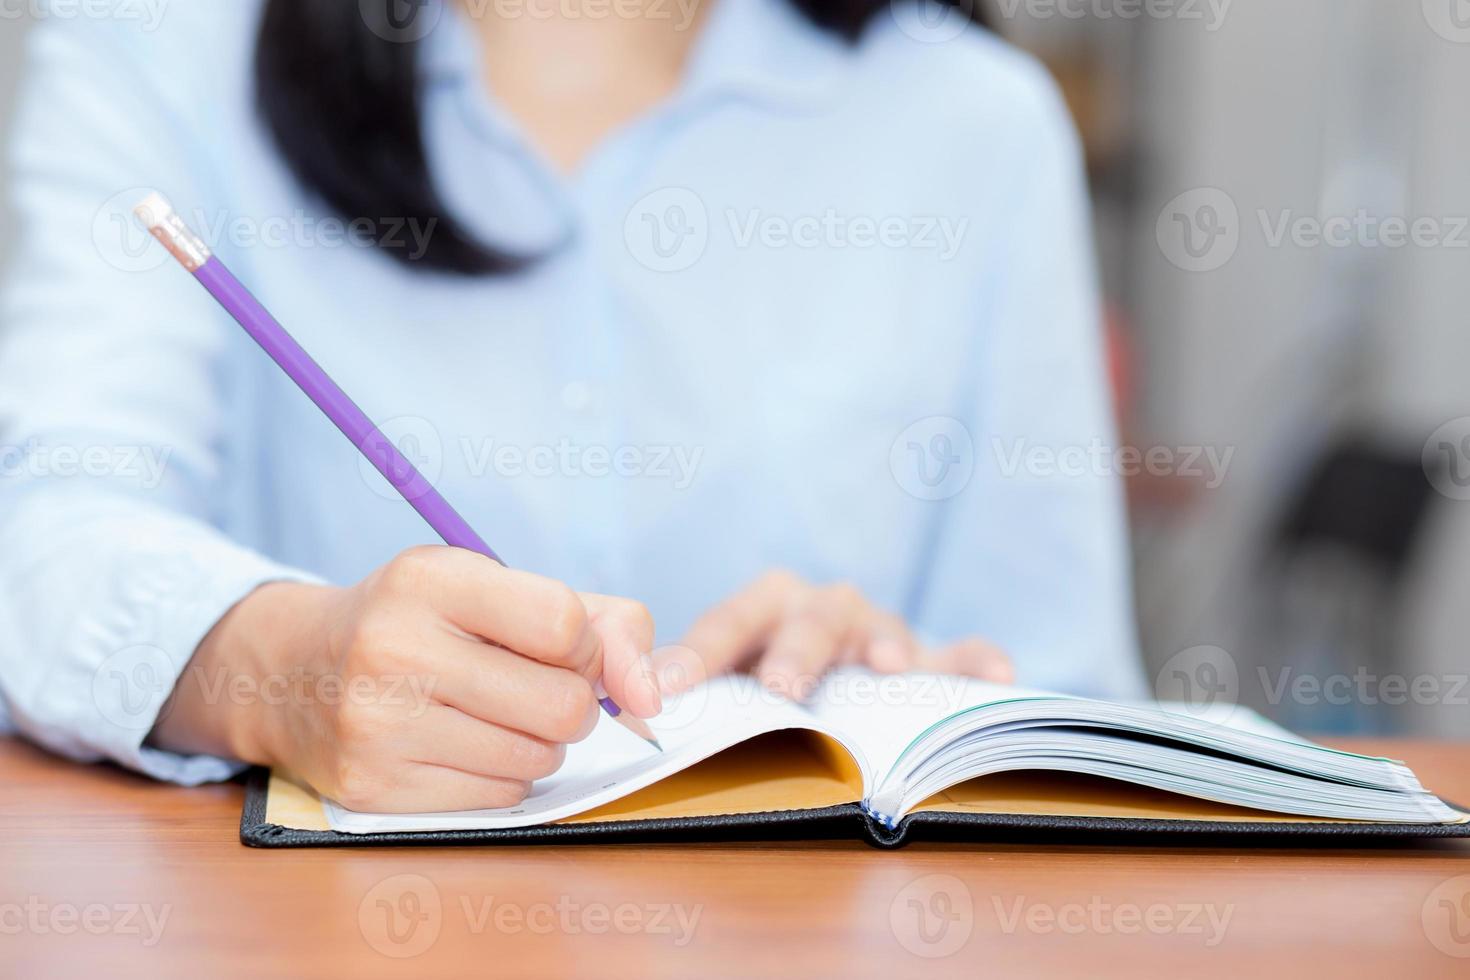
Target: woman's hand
{"x": 790, "y": 632}
{"x": 442, "y": 682}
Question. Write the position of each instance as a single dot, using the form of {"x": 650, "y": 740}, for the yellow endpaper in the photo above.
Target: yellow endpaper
{"x": 789, "y": 770}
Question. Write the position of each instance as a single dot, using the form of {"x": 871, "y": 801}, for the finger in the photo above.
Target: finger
{"x": 446, "y": 736}
{"x": 427, "y": 788}
{"x": 626, "y": 630}
{"x": 733, "y": 631}
{"x": 972, "y": 657}
{"x": 504, "y": 688}
{"x": 890, "y": 647}
{"x": 536, "y": 617}
{"x": 811, "y": 640}
{"x": 678, "y": 668}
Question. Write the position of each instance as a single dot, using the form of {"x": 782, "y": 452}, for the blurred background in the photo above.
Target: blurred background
{"x": 1283, "y": 220}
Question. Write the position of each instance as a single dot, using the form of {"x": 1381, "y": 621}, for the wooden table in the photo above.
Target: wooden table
{"x": 103, "y": 874}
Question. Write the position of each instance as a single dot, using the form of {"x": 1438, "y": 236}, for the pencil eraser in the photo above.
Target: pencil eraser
{"x": 154, "y": 210}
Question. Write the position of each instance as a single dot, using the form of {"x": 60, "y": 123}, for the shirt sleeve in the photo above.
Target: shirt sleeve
{"x": 112, "y": 564}
{"x": 1031, "y": 550}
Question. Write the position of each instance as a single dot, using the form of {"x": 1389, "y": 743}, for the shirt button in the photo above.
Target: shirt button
{"x": 576, "y": 396}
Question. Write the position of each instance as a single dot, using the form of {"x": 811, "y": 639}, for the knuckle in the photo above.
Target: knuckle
{"x": 374, "y": 647}
{"x": 534, "y": 759}
{"x": 638, "y": 615}
{"x": 508, "y": 792}
{"x": 569, "y": 709}
{"x": 356, "y": 785}
{"x": 724, "y": 619}
{"x": 566, "y": 620}
{"x": 844, "y": 596}
{"x": 409, "y": 571}
{"x": 354, "y": 726}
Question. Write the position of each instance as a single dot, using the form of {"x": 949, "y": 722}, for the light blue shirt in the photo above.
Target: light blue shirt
{"x": 829, "y": 308}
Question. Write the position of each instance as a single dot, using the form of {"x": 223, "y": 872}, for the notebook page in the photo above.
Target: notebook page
{"x": 883, "y": 713}
{"x": 613, "y": 762}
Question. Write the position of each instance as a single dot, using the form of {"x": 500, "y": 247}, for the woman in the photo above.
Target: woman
{"x": 665, "y": 297}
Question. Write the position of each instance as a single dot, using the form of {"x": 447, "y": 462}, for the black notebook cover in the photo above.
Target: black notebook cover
{"x": 850, "y": 822}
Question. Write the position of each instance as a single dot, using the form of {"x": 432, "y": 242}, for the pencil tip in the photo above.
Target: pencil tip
{"x": 654, "y": 743}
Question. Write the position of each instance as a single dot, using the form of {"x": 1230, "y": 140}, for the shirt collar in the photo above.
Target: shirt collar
{"x": 765, "y": 51}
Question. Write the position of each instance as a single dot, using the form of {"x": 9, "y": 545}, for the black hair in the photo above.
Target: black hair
{"x": 338, "y": 89}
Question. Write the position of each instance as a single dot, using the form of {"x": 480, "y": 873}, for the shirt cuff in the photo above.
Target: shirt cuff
{"x": 132, "y": 671}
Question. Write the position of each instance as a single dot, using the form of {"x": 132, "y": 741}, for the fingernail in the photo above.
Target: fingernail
{"x": 650, "y": 681}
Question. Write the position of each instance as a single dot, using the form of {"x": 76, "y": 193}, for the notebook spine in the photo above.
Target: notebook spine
{"x": 883, "y": 830}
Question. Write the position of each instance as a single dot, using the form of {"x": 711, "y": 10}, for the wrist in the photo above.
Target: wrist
{"x": 220, "y": 705}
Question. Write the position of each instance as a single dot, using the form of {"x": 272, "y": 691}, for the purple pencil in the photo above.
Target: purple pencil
{"x": 159, "y": 217}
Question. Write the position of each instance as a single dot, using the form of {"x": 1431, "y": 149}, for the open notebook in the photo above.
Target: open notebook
{"x": 876, "y": 754}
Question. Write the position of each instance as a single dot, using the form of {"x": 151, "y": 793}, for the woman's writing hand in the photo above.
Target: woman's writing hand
{"x": 443, "y": 681}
